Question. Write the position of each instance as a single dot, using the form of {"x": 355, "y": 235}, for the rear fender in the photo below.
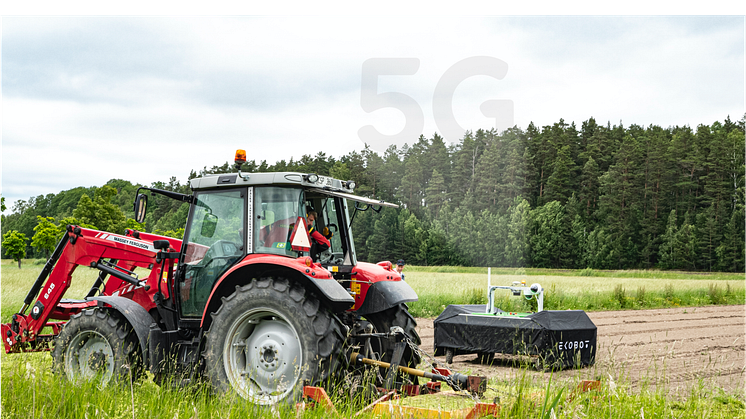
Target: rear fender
{"x": 379, "y": 287}
{"x": 386, "y": 294}
{"x": 314, "y": 278}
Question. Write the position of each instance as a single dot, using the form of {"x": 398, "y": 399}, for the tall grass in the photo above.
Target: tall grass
{"x": 30, "y": 390}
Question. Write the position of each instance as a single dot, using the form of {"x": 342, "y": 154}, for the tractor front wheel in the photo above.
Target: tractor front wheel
{"x": 99, "y": 345}
{"x": 268, "y": 339}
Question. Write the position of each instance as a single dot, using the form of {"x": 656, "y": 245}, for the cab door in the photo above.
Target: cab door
{"x": 214, "y": 241}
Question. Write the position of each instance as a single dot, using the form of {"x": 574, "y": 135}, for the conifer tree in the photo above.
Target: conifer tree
{"x": 686, "y": 245}
{"x": 589, "y": 184}
{"x": 436, "y": 193}
{"x": 513, "y": 180}
{"x": 559, "y": 184}
{"x": 619, "y": 203}
{"x": 667, "y": 254}
{"x": 730, "y": 253}
{"x": 517, "y": 243}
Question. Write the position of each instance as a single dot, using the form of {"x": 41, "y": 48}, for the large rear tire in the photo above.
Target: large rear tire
{"x": 97, "y": 345}
{"x": 399, "y": 316}
{"x": 268, "y": 339}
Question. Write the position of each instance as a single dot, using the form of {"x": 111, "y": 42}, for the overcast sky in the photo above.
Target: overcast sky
{"x": 88, "y": 99}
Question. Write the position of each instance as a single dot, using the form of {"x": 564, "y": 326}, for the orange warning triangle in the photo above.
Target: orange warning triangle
{"x": 299, "y": 240}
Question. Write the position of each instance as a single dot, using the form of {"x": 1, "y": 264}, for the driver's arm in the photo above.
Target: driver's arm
{"x": 320, "y": 239}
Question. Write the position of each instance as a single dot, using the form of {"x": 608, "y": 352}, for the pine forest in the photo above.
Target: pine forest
{"x": 558, "y": 196}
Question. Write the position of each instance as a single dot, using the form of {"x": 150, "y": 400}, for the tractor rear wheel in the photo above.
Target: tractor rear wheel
{"x": 100, "y": 345}
{"x": 270, "y": 338}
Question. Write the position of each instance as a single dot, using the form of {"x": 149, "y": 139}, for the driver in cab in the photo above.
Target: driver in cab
{"x": 319, "y": 243}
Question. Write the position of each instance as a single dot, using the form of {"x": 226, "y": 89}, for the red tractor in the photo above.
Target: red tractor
{"x": 252, "y": 298}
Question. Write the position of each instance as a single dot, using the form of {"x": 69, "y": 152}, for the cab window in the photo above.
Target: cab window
{"x": 276, "y": 211}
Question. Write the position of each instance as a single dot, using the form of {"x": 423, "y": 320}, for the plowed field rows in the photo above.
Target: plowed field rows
{"x": 672, "y": 347}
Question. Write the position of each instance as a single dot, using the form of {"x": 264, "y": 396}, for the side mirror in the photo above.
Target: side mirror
{"x": 209, "y": 223}
{"x": 141, "y": 203}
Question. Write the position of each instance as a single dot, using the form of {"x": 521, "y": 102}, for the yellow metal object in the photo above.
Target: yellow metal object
{"x": 395, "y": 410}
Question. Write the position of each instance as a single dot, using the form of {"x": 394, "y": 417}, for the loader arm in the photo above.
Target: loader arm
{"x": 116, "y": 256}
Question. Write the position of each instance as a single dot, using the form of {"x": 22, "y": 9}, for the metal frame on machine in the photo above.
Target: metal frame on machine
{"x": 517, "y": 288}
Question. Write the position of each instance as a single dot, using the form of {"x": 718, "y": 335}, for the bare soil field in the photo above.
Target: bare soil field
{"x": 677, "y": 348}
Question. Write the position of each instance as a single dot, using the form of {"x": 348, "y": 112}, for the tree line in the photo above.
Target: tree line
{"x": 557, "y": 196}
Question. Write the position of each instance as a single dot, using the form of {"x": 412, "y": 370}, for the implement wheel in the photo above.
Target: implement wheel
{"x": 268, "y": 339}
{"x": 100, "y": 345}
{"x": 449, "y": 356}
{"x": 486, "y": 358}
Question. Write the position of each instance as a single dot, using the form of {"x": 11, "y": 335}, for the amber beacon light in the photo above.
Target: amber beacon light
{"x": 240, "y": 156}
{"x": 240, "y": 160}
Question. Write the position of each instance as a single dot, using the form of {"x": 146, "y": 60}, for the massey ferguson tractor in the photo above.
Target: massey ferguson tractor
{"x": 254, "y": 298}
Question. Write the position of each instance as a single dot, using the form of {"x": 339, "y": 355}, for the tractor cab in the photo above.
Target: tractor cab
{"x": 276, "y": 219}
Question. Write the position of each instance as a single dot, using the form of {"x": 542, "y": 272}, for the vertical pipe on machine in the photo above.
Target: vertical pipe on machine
{"x": 489, "y": 288}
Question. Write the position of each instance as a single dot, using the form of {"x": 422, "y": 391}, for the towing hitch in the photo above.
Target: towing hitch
{"x": 473, "y": 384}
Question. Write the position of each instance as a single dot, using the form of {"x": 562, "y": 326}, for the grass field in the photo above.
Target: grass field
{"x": 611, "y": 290}
{"x": 30, "y": 390}
{"x": 15, "y": 284}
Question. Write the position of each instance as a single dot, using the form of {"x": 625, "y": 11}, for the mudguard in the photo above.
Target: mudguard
{"x": 135, "y": 315}
{"x": 384, "y": 295}
{"x": 316, "y": 278}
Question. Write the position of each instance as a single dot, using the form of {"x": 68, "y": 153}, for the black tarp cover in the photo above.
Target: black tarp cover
{"x": 555, "y": 335}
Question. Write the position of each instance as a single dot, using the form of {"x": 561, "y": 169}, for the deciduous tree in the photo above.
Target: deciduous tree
{"x": 14, "y": 245}
{"x": 46, "y": 236}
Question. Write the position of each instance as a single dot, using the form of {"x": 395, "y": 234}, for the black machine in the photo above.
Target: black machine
{"x": 556, "y": 339}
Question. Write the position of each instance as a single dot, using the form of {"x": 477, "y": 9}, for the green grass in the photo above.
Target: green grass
{"x": 29, "y": 389}
{"x": 649, "y": 274}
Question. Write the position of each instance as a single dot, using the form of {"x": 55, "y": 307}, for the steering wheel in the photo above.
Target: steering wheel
{"x": 219, "y": 248}
{"x": 325, "y": 255}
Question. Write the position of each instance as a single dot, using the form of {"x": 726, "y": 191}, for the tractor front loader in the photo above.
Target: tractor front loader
{"x": 116, "y": 312}
{"x": 253, "y": 299}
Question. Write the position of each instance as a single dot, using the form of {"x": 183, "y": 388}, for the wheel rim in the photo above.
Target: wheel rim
{"x": 89, "y": 356}
{"x": 262, "y": 356}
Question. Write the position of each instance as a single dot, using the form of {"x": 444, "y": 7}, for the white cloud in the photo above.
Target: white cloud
{"x": 144, "y": 99}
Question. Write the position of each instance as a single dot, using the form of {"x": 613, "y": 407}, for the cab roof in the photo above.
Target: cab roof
{"x": 269, "y": 179}
{"x": 322, "y": 184}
